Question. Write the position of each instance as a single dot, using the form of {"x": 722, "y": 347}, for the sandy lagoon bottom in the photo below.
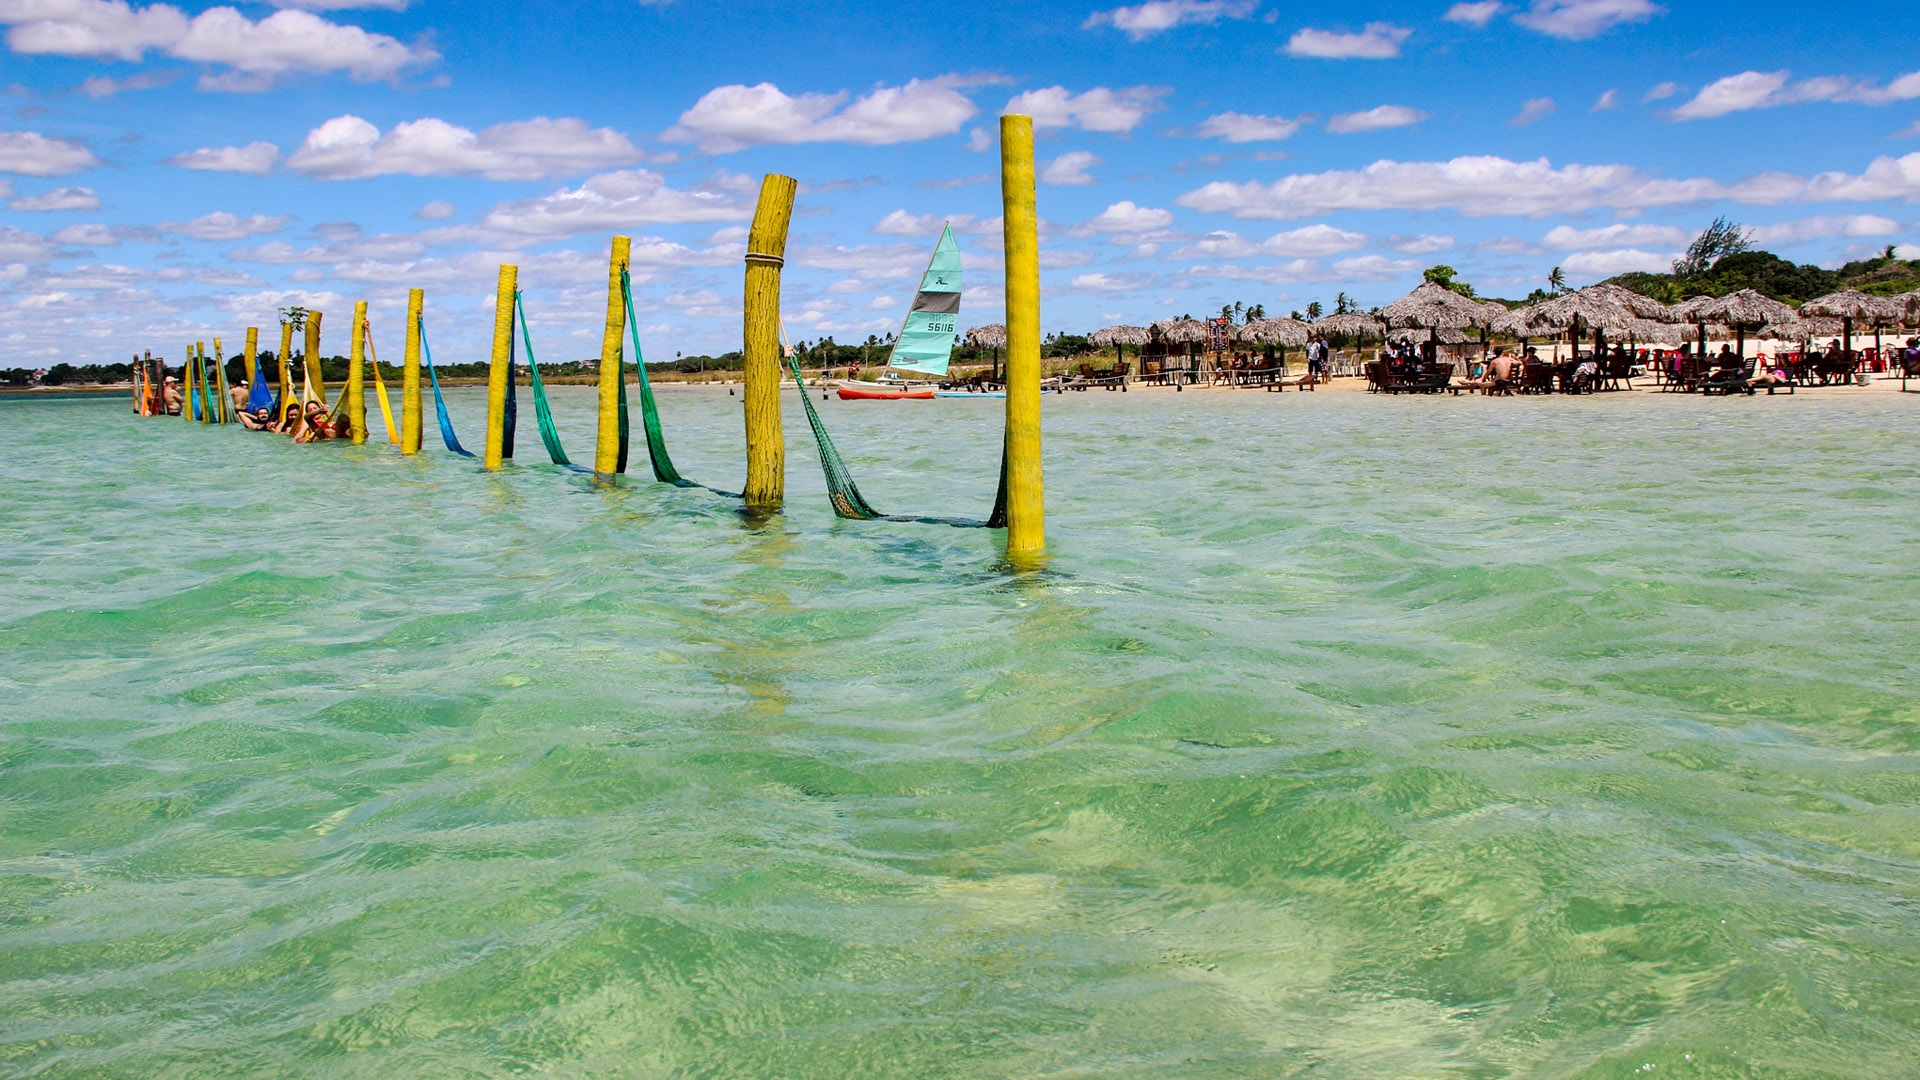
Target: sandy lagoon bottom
{"x": 1343, "y": 737}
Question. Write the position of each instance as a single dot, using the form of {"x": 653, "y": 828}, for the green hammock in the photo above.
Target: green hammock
{"x": 549, "y": 434}
{"x": 663, "y": 469}
{"x": 845, "y": 495}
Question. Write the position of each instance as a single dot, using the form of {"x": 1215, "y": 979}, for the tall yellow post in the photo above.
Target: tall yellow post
{"x": 253, "y": 348}
{"x": 314, "y": 374}
{"x": 220, "y": 380}
{"x": 357, "y": 376}
{"x": 206, "y": 390}
{"x": 410, "y": 377}
{"x": 766, "y": 254}
{"x": 499, "y": 370}
{"x": 186, "y": 386}
{"x": 1026, "y": 504}
{"x": 286, "y": 370}
{"x": 606, "y": 447}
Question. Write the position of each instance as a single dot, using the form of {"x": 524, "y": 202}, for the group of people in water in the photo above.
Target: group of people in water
{"x": 311, "y": 422}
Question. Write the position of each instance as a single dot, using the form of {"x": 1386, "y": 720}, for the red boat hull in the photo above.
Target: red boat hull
{"x": 849, "y": 394}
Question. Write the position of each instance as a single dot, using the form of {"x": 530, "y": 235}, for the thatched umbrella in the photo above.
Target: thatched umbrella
{"x": 1282, "y": 332}
{"x": 1433, "y": 307}
{"x": 1182, "y": 331}
{"x": 1644, "y": 307}
{"x": 1851, "y": 305}
{"x": 1741, "y": 310}
{"x": 1908, "y": 304}
{"x": 1118, "y": 337}
{"x": 991, "y": 336}
{"x": 1441, "y": 335}
{"x": 1353, "y": 324}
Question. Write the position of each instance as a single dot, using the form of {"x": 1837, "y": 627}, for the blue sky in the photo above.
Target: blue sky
{"x": 171, "y": 173}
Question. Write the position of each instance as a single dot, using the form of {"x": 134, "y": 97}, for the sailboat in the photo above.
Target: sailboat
{"x": 925, "y": 343}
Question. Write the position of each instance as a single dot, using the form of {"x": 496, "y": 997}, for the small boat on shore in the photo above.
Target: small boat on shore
{"x": 870, "y": 392}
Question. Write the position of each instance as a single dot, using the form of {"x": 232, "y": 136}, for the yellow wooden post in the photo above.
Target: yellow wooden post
{"x": 286, "y": 370}
{"x": 186, "y": 387}
{"x": 410, "y": 377}
{"x": 606, "y": 447}
{"x": 220, "y": 380}
{"x": 357, "y": 376}
{"x": 206, "y": 390}
{"x": 251, "y": 360}
{"x": 499, "y": 371}
{"x": 766, "y": 254}
{"x": 314, "y": 374}
{"x": 1026, "y": 504}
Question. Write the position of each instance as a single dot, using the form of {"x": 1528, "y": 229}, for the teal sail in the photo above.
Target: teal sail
{"x": 926, "y": 338}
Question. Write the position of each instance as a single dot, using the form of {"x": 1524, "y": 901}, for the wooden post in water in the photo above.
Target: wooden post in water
{"x": 251, "y": 358}
{"x": 766, "y": 254}
{"x": 1026, "y": 503}
{"x": 314, "y": 373}
{"x": 286, "y": 369}
{"x": 500, "y": 370}
{"x": 357, "y": 376}
{"x": 206, "y": 389}
{"x": 220, "y": 379}
{"x": 189, "y": 409}
{"x": 410, "y": 418}
{"x": 606, "y": 446}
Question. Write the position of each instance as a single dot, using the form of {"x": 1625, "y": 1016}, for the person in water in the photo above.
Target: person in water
{"x": 239, "y": 395}
{"x": 170, "y": 393}
{"x": 257, "y": 420}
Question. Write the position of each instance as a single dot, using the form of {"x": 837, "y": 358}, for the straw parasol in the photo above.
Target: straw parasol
{"x": 1433, "y": 307}
{"x": 1118, "y": 337}
{"x": 1852, "y": 305}
{"x": 1281, "y": 332}
{"x": 1644, "y": 307}
{"x": 1743, "y": 310}
{"x": 991, "y": 336}
{"x": 1442, "y": 335}
{"x": 1908, "y": 304}
{"x": 1353, "y": 324}
{"x": 1182, "y": 331}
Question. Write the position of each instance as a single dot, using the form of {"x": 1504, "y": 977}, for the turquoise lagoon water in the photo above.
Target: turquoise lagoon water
{"x": 1342, "y": 737}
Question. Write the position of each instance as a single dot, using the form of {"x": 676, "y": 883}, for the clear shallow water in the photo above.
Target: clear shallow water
{"x": 1344, "y": 738}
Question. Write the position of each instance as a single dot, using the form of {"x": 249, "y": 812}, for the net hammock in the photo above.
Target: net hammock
{"x": 379, "y": 384}
{"x": 663, "y": 469}
{"x": 542, "y": 412}
{"x": 439, "y": 403}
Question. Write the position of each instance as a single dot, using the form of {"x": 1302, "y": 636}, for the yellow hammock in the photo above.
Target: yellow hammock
{"x": 380, "y": 386}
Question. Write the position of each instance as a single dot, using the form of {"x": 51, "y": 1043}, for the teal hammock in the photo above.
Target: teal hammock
{"x": 439, "y": 403}
{"x": 542, "y": 412}
{"x": 663, "y": 469}
{"x": 845, "y": 495}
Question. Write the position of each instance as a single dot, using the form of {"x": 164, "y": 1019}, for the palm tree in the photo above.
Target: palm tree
{"x": 1239, "y": 311}
{"x": 1557, "y": 280}
{"x": 1342, "y": 304}
{"x": 1314, "y": 309}
{"x": 1256, "y": 312}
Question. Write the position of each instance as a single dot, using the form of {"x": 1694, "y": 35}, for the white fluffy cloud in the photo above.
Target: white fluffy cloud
{"x": 1820, "y": 228}
{"x": 347, "y": 147}
{"x": 901, "y": 223}
{"x": 608, "y": 202}
{"x": 1608, "y": 100}
{"x": 1236, "y": 127}
{"x": 99, "y": 87}
{"x": 1568, "y": 238}
{"x": 1111, "y": 283}
{"x": 1098, "y": 109}
{"x": 254, "y": 159}
{"x": 1125, "y": 217}
{"x": 1770, "y": 89}
{"x": 1660, "y": 92}
{"x": 437, "y": 210}
{"x": 1311, "y": 240}
{"x": 1534, "y": 111}
{"x": 1070, "y": 169}
{"x": 1577, "y": 20}
{"x": 30, "y": 153}
{"x": 1142, "y": 21}
{"x": 65, "y": 198}
{"x": 92, "y": 235}
{"x": 222, "y": 225}
{"x": 1381, "y": 118}
{"x": 1377, "y": 41}
{"x": 729, "y": 118}
{"x": 1475, "y": 12}
{"x": 256, "y": 52}
{"x": 1603, "y": 264}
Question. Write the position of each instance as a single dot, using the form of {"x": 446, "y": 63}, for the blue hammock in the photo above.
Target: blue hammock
{"x": 259, "y": 396}
{"x": 439, "y": 403}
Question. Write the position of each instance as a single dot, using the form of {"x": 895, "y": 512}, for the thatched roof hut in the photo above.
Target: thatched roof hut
{"x": 1743, "y": 310}
{"x": 1443, "y": 335}
{"x": 990, "y": 336}
{"x": 1644, "y": 307}
{"x": 1274, "y": 332}
{"x": 1118, "y": 335}
{"x": 1585, "y": 308}
{"x": 1908, "y": 304}
{"x": 1434, "y": 307}
{"x": 1853, "y": 305}
{"x": 1352, "y": 324}
{"x": 1182, "y": 331}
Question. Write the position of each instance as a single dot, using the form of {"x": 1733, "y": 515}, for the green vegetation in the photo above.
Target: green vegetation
{"x": 1722, "y": 260}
